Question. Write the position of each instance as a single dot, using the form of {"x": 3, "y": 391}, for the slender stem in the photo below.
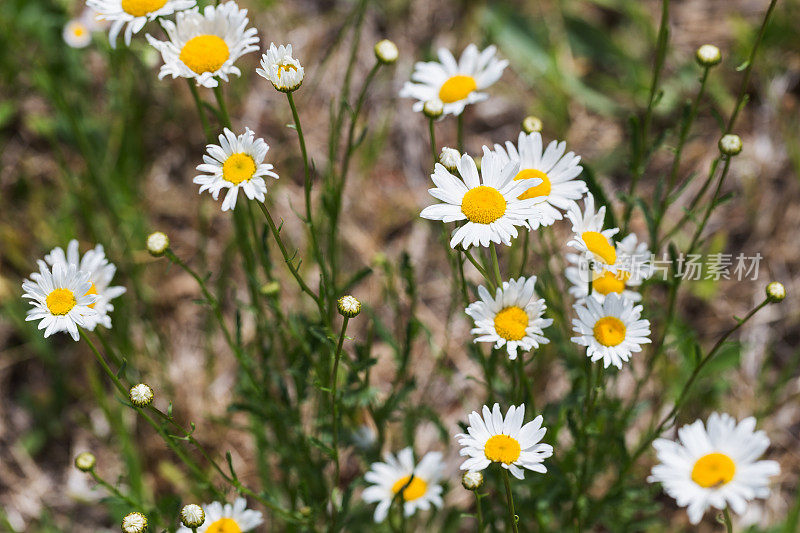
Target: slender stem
{"x": 524, "y": 259}
{"x": 480, "y": 268}
{"x": 432, "y": 132}
{"x": 223, "y": 109}
{"x": 107, "y": 369}
{"x": 479, "y": 511}
{"x": 112, "y": 489}
{"x": 684, "y": 134}
{"x": 711, "y": 205}
{"x": 200, "y": 111}
{"x": 460, "y": 132}
{"x": 512, "y": 516}
{"x": 334, "y": 408}
{"x": 726, "y": 516}
{"x": 496, "y": 265}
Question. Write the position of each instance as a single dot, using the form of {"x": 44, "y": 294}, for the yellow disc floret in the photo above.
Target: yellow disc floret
{"x": 61, "y": 301}
{"x": 609, "y": 331}
{"x": 224, "y": 525}
{"x": 415, "y": 489}
{"x": 92, "y": 290}
{"x": 543, "y": 189}
{"x": 600, "y": 246}
{"x": 502, "y": 449}
{"x": 140, "y": 8}
{"x": 238, "y": 167}
{"x": 483, "y": 205}
{"x": 713, "y": 470}
{"x": 609, "y": 282}
{"x": 511, "y": 322}
{"x": 204, "y": 53}
{"x": 457, "y": 88}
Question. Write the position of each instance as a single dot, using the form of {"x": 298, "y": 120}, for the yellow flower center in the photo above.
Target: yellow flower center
{"x": 609, "y": 331}
{"x": 61, "y": 301}
{"x": 483, "y": 205}
{"x": 415, "y": 489}
{"x": 224, "y": 525}
{"x": 92, "y": 290}
{"x": 608, "y": 282}
{"x": 502, "y": 449}
{"x": 713, "y": 470}
{"x": 457, "y": 88}
{"x": 510, "y": 323}
{"x": 543, "y": 189}
{"x": 204, "y": 53}
{"x": 600, "y": 246}
{"x": 78, "y": 30}
{"x": 286, "y": 68}
{"x": 238, "y": 167}
{"x": 140, "y": 8}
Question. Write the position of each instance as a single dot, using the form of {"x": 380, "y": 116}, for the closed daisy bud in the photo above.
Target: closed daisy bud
{"x": 433, "y": 108}
{"x": 141, "y": 395}
{"x": 730, "y": 144}
{"x": 708, "y": 55}
{"x": 531, "y": 124}
{"x": 449, "y": 158}
{"x": 776, "y": 292}
{"x": 348, "y": 306}
{"x": 76, "y": 34}
{"x": 386, "y": 52}
{"x": 472, "y": 480}
{"x": 157, "y": 243}
{"x": 192, "y": 515}
{"x": 85, "y": 461}
{"x": 134, "y": 523}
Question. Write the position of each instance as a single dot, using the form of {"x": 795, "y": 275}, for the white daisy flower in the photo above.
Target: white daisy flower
{"x": 205, "y": 45}
{"x": 489, "y": 203}
{"x": 604, "y": 281}
{"x": 395, "y": 474}
{"x": 634, "y": 257}
{"x": 611, "y": 330}
{"x": 60, "y": 299}
{"x": 100, "y": 271}
{"x": 714, "y": 465}
{"x": 281, "y": 69}
{"x": 557, "y": 170}
{"x": 589, "y": 238}
{"x": 236, "y": 163}
{"x": 513, "y": 318}
{"x": 228, "y": 518}
{"x": 77, "y": 34}
{"x": 494, "y": 439}
{"x": 456, "y": 84}
{"x": 134, "y": 14}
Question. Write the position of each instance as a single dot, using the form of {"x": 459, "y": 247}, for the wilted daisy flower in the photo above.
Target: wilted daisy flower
{"x": 557, "y": 171}
{"x": 395, "y": 474}
{"x": 513, "y": 318}
{"x": 611, "y": 330}
{"x": 236, "y": 163}
{"x": 456, "y": 84}
{"x": 60, "y": 299}
{"x": 77, "y": 34}
{"x": 714, "y": 465}
{"x": 590, "y": 239}
{"x": 228, "y": 518}
{"x": 494, "y": 439}
{"x": 100, "y": 271}
{"x": 489, "y": 203}
{"x": 133, "y": 14}
{"x": 205, "y": 45}
{"x": 281, "y": 69}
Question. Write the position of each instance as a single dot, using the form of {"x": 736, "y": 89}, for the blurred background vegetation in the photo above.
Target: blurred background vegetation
{"x": 93, "y": 146}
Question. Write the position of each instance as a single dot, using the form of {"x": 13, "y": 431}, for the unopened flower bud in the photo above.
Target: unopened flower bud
{"x": 449, "y": 158}
{"x": 776, "y": 292}
{"x": 531, "y": 124}
{"x": 134, "y": 523}
{"x": 386, "y": 52}
{"x": 730, "y": 144}
{"x": 157, "y": 243}
{"x": 85, "y": 461}
{"x": 348, "y": 306}
{"x": 433, "y": 108}
{"x": 192, "y": 515}
{"x": 141, "y": 395}
{"x": 708, "y": 55}
{"x": 472, "y": 480}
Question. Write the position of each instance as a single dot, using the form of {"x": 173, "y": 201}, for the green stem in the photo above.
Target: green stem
{"x": 432, "y": 132}
{"x": 200, "y": 111}
{"x": 479, "y": 511}
{"x": 711, "y": 206}
{"x": 223, "y": 109}
{"x": 112, "y": 489}
{"x": 512, "y": 516}
{"x": 480, "y": 269}
{"x": 726, "y": 516}
{"x": 496, "y": 265}
{"x": 335, "y": 411}
{"x": 460, "y": 132}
